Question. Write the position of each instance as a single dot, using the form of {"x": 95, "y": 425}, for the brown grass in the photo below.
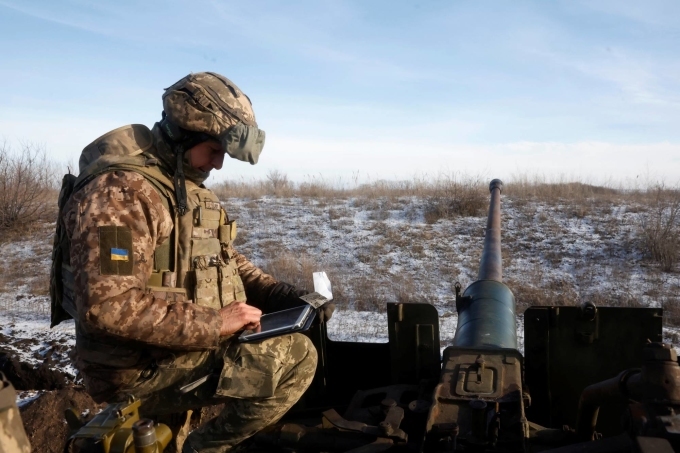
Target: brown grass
{"x": 434, "y": 200}
{"x": 277, "y": 184}
{"x": 660, "y": 228}
{"x": 27, "y": 189}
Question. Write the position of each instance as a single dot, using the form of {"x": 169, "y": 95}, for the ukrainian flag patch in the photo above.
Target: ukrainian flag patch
{"x": 119, "y": 255}
{"x": 115, "y": 250}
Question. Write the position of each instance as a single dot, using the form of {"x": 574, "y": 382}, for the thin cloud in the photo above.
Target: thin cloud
{"x": 643, "y": 77}
{"x": 640, "y": 78}
{"x": 654, "y": 13}
{"x": 312, "y": 38}
{"x": 47, "y": 16}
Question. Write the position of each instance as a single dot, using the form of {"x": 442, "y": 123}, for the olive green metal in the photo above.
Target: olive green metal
{"x": 118, "y": 429}
{"x": 491, "y": 265}
{"x": 144, "y": 436}
{"x": 486, "y": 317}
{"x": 486, "y": 310}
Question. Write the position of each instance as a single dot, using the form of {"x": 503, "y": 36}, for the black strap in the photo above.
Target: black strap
{"x": 180, "y": 182}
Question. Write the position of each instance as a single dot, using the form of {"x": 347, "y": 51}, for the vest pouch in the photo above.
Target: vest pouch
{"x": 227, "y": 232}
{"x": 239, "y": 289}
{"x": 227, "y": 286}
{"x": 206, "y": 292}
{"x": 208, "y": 218}
{"x": 231, "y": 273}
{"x": 205, "y": 247}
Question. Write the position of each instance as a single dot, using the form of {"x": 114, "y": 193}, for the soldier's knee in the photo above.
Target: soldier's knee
{"x": 303, "y": 348}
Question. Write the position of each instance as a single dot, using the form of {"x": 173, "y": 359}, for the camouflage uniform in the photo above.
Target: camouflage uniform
{"x": 12, "y": 435}
{"x": 150, "y": 341}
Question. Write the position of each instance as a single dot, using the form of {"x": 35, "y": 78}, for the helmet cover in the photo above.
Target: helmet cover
{"x": 211, "y": 104}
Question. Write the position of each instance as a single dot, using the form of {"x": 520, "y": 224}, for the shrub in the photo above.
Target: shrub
{"x": 452, "y": 197}
{"x": 278, "y": 183}
{"x": 660, "y": 227}
{"x": 27, "y": 187}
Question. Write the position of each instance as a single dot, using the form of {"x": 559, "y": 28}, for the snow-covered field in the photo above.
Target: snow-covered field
{"x": 381, "y": 250}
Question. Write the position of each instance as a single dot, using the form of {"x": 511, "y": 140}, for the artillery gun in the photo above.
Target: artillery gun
{"x": 591, "y": 379}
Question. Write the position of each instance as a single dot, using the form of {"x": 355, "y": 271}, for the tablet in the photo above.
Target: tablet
{"x": 281, "y": 322}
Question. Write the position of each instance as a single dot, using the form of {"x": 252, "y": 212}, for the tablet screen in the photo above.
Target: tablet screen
{"x": 280, "y": 321}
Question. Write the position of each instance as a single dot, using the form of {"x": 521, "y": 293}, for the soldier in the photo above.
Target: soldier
{"x": 158, "y": 288}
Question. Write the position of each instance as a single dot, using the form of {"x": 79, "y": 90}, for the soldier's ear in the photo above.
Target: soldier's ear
{"x": 173, "y": 131}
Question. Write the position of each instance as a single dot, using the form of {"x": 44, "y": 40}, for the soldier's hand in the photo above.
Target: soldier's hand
{"x": 325, "y": 311}
{"x": 239, "y": 315}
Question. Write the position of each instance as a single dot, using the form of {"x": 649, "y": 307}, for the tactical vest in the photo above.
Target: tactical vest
{"x": 196, "y": 263}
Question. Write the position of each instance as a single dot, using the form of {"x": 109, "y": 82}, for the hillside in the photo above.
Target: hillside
{"x": 563, "y": 244}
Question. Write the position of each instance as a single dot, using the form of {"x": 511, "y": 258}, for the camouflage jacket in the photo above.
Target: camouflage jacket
{"x": 123, "y": 327}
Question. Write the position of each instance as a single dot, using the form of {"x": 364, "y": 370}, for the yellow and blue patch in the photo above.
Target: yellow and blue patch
{"x": 119, "y": 255}
{"x": 115, "y": 250}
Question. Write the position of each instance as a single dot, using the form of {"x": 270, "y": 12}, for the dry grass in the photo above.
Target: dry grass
{"x": 539, "y": 188}
{"x": 27, "y": 189}
{"x": 452, "y": 197}
{"x": 277, "y": 184}
{"x": 660, "y": 227}
{"x": 24, "y": 278}
{"x": 412, "y": 221}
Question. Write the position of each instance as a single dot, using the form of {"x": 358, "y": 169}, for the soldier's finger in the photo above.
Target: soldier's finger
{"x": 246, "y": 311}
{"x": 250, "y": 317}
{"x": 252, "y": 326}
{"x": 242, "y": 306}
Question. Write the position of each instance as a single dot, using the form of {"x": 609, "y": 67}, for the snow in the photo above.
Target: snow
{"x": 26, "y": 396}
{"x": 382, "y": 250}
{"x": 37, "y": 341}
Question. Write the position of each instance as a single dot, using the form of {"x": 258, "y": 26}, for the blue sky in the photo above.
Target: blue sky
{"x": 586, "y": 90}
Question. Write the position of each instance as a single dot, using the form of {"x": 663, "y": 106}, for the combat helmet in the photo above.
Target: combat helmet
{"x": 207, "y": 105}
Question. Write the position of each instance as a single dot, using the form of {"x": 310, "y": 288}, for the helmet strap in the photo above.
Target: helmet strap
{"x": 180, "y": 182}
{"x": 182, "y": 140}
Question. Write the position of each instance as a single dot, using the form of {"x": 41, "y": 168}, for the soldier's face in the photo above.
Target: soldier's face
{"x": 206, "y": 156}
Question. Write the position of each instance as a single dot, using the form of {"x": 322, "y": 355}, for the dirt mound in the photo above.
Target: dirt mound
{"x": 44, "y": 417}
{"x": 46, "y": 427}
{"x": 24, "y": 376}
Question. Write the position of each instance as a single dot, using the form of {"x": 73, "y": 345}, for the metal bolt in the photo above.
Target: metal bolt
{"x": 386, "y": 428}
{"x": 387, "y": 404}
{"x": 144, "y": 435}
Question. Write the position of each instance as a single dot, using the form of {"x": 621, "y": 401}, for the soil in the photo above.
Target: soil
{"x": 44, "y": 420}
{"x": 46, "y": 427}
{"x": 43, "y": 416}
{"x": 25, "y": 376}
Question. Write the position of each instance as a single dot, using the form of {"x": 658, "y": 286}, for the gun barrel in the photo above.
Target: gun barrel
{"x": 486, "y": 310}
{"x": 491, "y": 264}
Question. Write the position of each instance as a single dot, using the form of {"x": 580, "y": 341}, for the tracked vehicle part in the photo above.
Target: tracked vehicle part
{"x": 119, "y": 429}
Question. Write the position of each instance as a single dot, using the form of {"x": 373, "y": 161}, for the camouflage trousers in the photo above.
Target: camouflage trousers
{"x": 258, "y": 382}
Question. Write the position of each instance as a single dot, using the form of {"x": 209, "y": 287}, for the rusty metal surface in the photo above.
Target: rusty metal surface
{"x": 477, "y": 387}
